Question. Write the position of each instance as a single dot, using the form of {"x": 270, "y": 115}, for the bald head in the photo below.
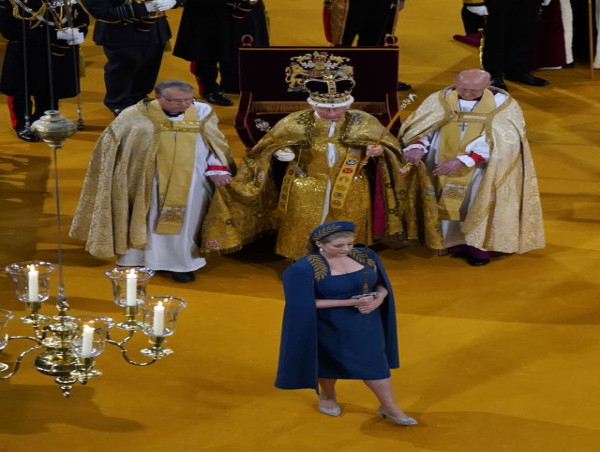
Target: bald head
{"x": 473, "y": 76}
{"x": 471, "y": 83}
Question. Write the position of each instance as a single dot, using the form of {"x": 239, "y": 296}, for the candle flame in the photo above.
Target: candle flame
{"x": 132, "y": 271}
{"x": 31, "y": 267}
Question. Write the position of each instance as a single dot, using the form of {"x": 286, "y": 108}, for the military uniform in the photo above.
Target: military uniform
{"x": 133, "y": 44}
{"x": 508, "y": 34}
{"x": 41, "y": 88}
{"x": 209, "y": 36}
{"x": 368, "y": 20}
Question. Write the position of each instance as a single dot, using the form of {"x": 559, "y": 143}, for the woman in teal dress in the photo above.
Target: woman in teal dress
{"x": 339, "y": 322}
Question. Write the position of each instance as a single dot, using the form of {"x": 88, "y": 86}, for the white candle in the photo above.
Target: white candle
{"x": 131, "y": 292}
{"x": 87, "y": 341}
{"x": 158, "y": 326}
{"x": 33, "y": 284}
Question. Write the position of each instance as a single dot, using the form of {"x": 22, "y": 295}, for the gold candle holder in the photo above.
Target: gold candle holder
{"x": 85, "y": 370}
{"x": 129, "y": 291}
{"x": 157, "y": 351}
{"x": 32, "y": 286}
{"x": 34, "y": 318}
{"x": 130, "y": 324}
{"x": 159, "y": 320}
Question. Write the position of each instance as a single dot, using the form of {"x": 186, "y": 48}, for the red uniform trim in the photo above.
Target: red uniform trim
{"x": 10, "y": 102}
{"x": 476, "y": 157}
{"x": 217, "y": 168}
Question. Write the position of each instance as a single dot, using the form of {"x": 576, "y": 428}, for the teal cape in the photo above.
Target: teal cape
{"x": 298, "y": 354}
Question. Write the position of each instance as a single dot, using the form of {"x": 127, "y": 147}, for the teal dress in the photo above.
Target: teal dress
{"x": 339, "y": 342}
{"x": 351, "y": 345}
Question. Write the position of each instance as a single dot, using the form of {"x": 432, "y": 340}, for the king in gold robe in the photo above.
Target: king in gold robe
{"x": 324, "y": 182}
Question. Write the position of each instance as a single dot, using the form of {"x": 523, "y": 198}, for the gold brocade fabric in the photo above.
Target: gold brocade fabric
{"x": 308, "y": 195}
{"x": 453, "y": 188}
{"x": 247, "y": 208}
{"x": 175, "y": 164}
{"x": 506, "y": 215}
{"x": 113, "y": 207}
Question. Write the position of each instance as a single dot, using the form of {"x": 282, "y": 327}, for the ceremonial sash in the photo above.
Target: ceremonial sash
{"x": 452, "y": 188}
{"x": 286, "y": 186}
{"x": 175, "y": 164}
{"x": 344, "y": 178}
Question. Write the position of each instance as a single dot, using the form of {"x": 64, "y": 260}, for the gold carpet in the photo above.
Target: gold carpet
{"x": 503, "y": 358}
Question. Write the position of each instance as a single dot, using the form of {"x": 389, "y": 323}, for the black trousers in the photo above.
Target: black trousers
{"x": 19, "y": 105}
{"x": 220, "y": 58}
{"x": 130, "y": 73}
{"x": 508, "y": 35}
{"x": 471, "y": 22}
{"x": 370, "y": 20}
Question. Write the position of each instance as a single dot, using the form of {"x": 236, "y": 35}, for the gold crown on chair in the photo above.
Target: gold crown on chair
{"x": 327, "y": 78}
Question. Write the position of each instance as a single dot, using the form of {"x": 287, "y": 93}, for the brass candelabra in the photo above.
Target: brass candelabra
{"x": 67, "y": 346}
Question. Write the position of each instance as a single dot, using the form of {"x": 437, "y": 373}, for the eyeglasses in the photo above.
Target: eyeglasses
{"x": 191, "y": 100}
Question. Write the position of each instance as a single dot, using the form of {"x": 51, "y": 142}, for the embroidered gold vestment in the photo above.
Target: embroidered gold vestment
{"x": 506, "y": 214}
{"x": 255, "y": 202}
{"x": 113, "y": 207}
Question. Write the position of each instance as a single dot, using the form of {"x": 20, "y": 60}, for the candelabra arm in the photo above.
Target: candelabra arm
{"x": 20, "y": 357}
{"x": 122, "y": 342}
{"x": 135, "y": 363}
{"x": 120, "y": 345}
{"x": 37, "y": 340}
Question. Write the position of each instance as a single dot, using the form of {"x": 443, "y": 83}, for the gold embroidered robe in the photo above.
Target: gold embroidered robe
{"x": 115, "y": 199}
{"x": 248, "y": 207}
{"x": 506, "y": 214}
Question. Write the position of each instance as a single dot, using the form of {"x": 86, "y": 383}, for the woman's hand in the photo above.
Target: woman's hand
{"x": 369, "y": 303}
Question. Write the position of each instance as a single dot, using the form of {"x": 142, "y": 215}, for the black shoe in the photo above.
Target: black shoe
{"x": 527, "y": 79}
{"x": 183, "y": 276}
{"x": 471, "y": 260}
{"x": 404, "y": 86}
{"x": 218, "y": 98}
{"x": 26, "y": 134}
{"x": 499, "y": 83}
{"x": 569, "y": 65}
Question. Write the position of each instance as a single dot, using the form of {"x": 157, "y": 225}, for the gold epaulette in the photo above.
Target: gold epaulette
{"x": 360, "y": 255}
{"x": 319, "y": 266}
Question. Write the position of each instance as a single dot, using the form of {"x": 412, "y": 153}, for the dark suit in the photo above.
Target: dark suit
{"x": 133, "y": 44}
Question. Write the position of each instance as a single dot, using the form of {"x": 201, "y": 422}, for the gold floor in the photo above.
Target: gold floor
{"x": 499, "y": 358}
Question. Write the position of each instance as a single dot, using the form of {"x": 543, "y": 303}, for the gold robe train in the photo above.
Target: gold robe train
{"x": 254, "y": 203}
